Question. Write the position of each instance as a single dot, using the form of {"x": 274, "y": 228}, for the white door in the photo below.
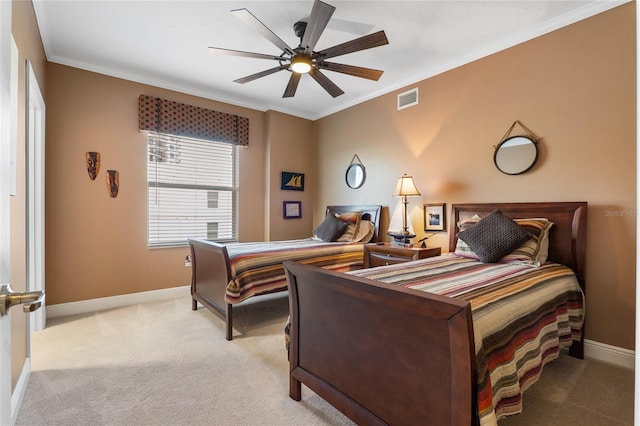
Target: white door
{"x": 5, "y": 178}
{"x": 11, "y": 394}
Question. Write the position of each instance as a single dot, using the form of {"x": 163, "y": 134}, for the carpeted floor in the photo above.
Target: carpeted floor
{"x": 163, "y": 364}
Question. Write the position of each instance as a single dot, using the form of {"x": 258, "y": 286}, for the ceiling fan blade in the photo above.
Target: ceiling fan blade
{"x": 362, "y": 43}
{"x": 248, "y": 18}
{"x": 292, "y": 85}
{"x": 318, "y": 20}
{"x": 231, "y": 52}
{"x": 369, "y": 73}
{"x": 260, "y": 74}
{"x": 326, "y": 84}
{"x": 352, "y": 27}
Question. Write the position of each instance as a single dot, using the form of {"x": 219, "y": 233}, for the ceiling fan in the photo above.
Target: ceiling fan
{"x": 303, "y": 59}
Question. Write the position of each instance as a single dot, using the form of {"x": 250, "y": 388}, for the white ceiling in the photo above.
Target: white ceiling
{"x": 164, "y": 43}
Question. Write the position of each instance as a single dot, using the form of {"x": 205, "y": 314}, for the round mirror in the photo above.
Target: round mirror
{"x": 355, "y": 176}
{"x": 515, "y": 155}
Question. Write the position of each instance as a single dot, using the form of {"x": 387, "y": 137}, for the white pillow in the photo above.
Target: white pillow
{"x": 364, "y": 232}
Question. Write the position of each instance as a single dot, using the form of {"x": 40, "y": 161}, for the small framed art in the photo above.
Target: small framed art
{"x": 292, "y": 209}
{"x": 435, "y": 217}
{"x": 292, "y": 181}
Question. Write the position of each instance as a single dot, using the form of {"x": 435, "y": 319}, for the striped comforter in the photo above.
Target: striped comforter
{"x": 522, "y": 316}
{"x": 257, "y": 267}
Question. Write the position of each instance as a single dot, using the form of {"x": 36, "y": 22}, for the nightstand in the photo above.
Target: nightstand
{"x": 387, "y": 254}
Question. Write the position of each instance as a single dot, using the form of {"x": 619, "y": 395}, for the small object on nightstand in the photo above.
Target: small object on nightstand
{"x": 388, "y": 254}
{"x": 401, "y": 240}
{"x": 423, "y": 241}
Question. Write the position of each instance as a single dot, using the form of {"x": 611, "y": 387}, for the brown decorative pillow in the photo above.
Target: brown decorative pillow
{"x": 330, "y": 228}
{"x": 494, "y": 237}
{"x": 353, "y": 223}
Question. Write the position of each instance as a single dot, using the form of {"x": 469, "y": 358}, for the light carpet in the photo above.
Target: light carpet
{"x": 161, "y": 363}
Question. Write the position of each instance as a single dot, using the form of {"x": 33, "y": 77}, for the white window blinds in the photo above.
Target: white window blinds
{"x": 191, "y": 190}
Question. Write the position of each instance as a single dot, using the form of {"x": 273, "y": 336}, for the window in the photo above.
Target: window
{"x": 212, "y": 199}
{"x": 212, "y": 230}
{"x": 191, "y": 190}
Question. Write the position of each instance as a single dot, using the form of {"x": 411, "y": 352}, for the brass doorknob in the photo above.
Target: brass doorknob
{"x": 31, "y": 300}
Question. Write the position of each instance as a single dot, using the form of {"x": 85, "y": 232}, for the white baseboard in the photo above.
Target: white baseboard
{"x": 592, "y": 350}
{"x": 100, "y": 304}
{"x": 611, "y": 354}
{"x": 21, "y": 387}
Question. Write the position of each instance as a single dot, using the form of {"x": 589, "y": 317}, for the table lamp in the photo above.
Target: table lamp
{"x": 405, "y": 188}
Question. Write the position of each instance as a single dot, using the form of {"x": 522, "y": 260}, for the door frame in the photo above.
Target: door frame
{"x": 35, "y": 198}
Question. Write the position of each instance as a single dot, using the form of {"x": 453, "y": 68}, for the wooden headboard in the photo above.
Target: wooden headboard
{"x": 369, "y": 212}
{"x": 567, "y": 237}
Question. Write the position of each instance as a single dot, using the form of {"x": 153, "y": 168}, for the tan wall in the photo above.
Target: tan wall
{"x": 575, "y": 88}
{"x": 290, "y": 148}
{"x": 96, "y": 246}
{"x": 27, "y": 38}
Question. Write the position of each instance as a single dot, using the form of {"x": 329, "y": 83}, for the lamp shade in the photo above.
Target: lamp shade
{"x": 406, "y": 187}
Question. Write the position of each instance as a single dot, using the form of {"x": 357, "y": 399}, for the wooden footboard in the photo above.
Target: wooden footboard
{"x": 209, "y": 280}
{"x": 361, "y": 345}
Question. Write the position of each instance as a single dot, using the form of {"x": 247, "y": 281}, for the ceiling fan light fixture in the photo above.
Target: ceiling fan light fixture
{"x": 301, "y": 64}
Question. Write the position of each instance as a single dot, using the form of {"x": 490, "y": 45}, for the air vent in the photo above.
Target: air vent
{"x": 407, "y": 99}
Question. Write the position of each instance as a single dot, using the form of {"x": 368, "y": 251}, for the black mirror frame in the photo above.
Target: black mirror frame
{"x": 535, "y": 159}
{"x": 355, "y": 185}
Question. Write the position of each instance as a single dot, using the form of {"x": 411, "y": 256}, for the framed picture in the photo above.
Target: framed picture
{"x": 292, "y": 181}
{"x": 292, "y": 209}
{"x": 435, "y": 217}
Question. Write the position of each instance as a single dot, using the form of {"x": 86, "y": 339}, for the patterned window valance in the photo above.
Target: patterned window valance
{"x": 174, "y": 118}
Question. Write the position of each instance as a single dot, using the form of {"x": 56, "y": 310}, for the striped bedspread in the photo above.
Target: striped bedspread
{"x": 522, "y": 316}
{"x": 257, "y": 267}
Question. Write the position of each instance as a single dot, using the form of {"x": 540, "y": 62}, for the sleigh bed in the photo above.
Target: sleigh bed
{"x": 223, "y": 275}
{"x": 383, "y": 352}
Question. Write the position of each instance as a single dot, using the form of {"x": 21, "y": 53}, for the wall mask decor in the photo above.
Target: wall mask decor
{"x": 92, "y": 160}
{"x": 113, "y": 182}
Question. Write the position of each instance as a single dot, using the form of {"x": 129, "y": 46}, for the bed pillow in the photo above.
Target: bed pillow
{"x": 494, "y": 237}
{"x": 330, "y": 228}
{"x": 353, "y": 221}
{"x": 464, "y": 224}
{"x": 462, "y": 248}
{"x": 364, "y": 233}
{"x": 534, "y": 251}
